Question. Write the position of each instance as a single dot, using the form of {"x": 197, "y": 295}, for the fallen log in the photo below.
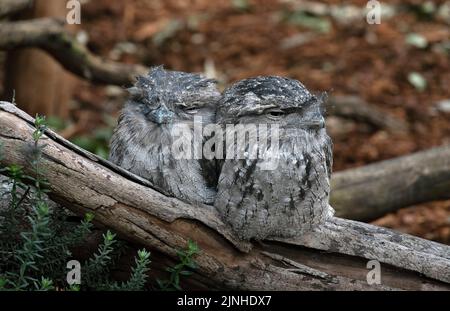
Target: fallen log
{"x": 374, "y": 190}
{"x": 355, "y": 108}
{"x": 128, "y": 205}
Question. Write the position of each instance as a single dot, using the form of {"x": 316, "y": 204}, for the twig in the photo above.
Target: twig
{"x": 49, "y": 35}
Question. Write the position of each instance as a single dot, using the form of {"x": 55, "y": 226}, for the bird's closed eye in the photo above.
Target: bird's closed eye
{"x": 191, "y": 109}
{"x": 275, "y": 114}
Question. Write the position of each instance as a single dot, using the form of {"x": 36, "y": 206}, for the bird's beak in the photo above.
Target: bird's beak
{"x": 317, "y": 121}
{"x": 162, "y": 115}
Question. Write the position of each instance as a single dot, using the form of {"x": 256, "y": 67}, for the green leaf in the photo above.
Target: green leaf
{"x": 45, "y": 284}
{"x": 109, "y": 236}
{"x": 89, "y": 217}
{"x": 39, "y": 121}
{"x": 143, "y": 254}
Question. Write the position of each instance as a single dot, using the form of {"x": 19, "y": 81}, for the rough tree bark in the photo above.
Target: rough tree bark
{"x": 84, "y": 182}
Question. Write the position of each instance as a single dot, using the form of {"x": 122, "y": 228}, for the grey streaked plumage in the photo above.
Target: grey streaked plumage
{"x": 293, "y": 198}
{"x": 142, "y": 141}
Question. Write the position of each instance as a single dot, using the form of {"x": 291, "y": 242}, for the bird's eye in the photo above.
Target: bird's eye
{"x": 275, "y": 114}
{"x": 191, "y": 110}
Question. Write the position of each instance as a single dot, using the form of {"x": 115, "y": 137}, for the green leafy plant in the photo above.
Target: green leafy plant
{"x": 183, "y": 268}
{"x": 98, "y": 266}
{"x": 138, "y": 274}
{"x": 36, "y": 239}
{"x": 33, "y": 247}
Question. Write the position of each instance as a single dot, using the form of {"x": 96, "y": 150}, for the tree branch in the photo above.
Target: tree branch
{"x": 374, "y": 190}
{"x": 85, "y": 183}
{"x": 49, "y": 35}
{"x": 355, "y": 108}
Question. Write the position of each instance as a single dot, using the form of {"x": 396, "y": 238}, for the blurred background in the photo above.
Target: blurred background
{"x": 400, "y": 68}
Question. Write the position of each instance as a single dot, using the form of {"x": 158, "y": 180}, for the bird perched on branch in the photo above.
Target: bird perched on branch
{"x": 143, "y": 139}
{"x": 290, "y": 196}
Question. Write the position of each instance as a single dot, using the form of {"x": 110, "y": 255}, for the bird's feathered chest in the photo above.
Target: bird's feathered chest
{"x": 289, "y": 198}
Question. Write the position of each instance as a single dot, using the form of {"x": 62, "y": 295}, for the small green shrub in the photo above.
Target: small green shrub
{"x": 36, "y": 239}
{"x": 186, "y": 262}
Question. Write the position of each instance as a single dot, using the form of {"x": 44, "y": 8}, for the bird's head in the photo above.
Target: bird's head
{"x": 272, "y": 100}
{"x": 167, "y": 97}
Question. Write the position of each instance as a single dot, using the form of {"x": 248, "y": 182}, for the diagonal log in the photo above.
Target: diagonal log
{"x": 85, "y": 183}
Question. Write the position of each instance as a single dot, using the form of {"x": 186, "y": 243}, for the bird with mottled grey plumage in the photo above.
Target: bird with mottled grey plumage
{"x": 289, "y": 197}
{"x": 143, "y": 139}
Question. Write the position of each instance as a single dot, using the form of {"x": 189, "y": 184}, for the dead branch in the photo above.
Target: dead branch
{"x": 10, "y": 7}
{"x": 85, "y": 183}
{"x": 49, "y": 35}
{"x": 374, "y": 190}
